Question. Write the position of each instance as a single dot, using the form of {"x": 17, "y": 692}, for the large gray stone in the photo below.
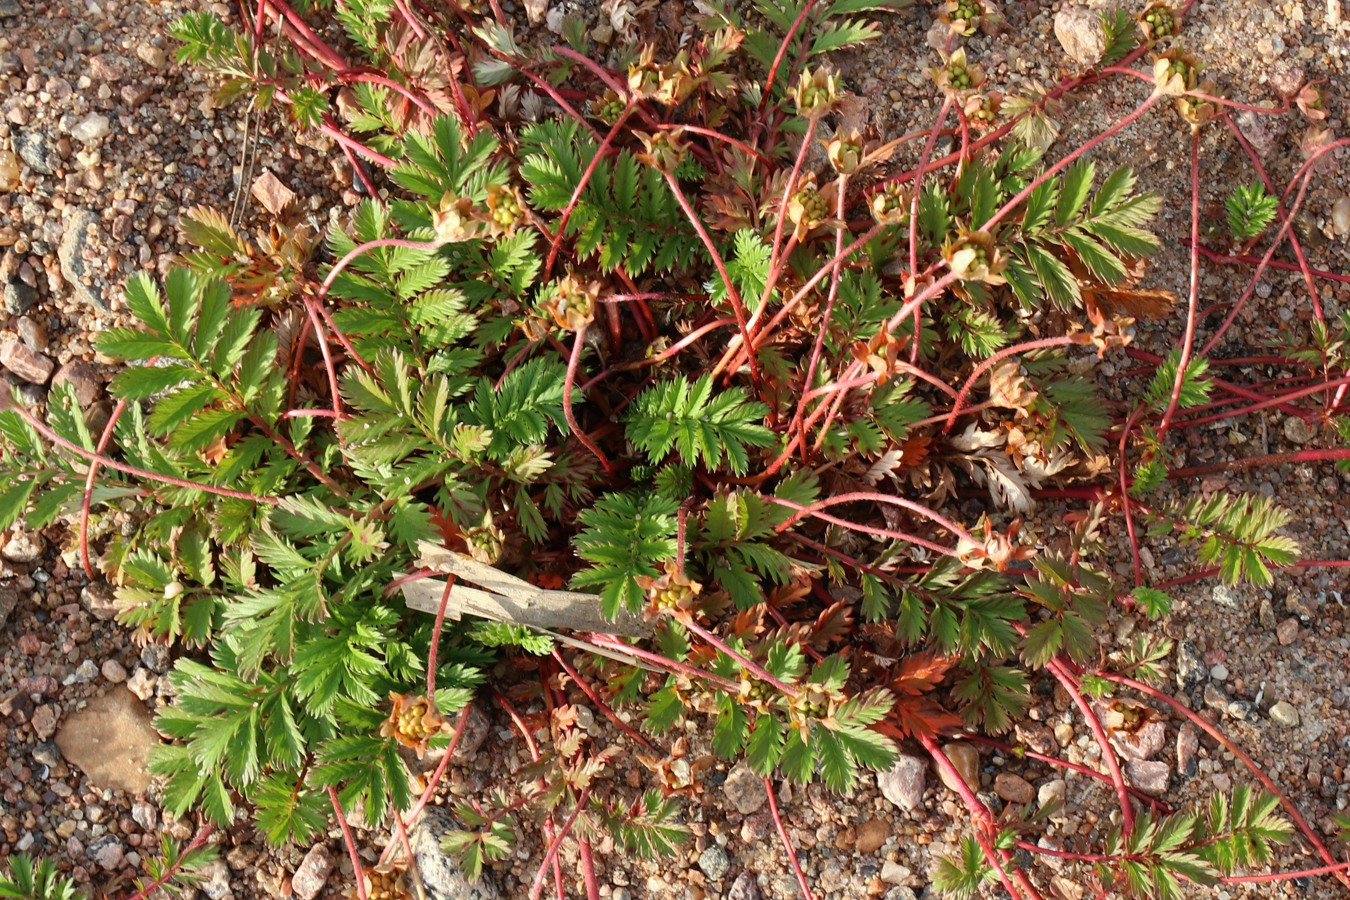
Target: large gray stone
{"x": 74, "y": 239}
{"x": 440, "y": 873}
{"x": 19, "y": 297}
{"x": 34, "y": 149}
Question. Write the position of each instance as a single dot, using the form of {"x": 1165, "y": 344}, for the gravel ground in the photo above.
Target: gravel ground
{"x": 112, "y": 141}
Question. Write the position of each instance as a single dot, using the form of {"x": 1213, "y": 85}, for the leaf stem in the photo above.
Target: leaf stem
{"x": 748, "y": 664}
{"x": 1337, "y": 869}
{"x": 573, "y": 359}
{"x": 358, "y": 872}
{"x": 603, "y": 706}
{"x": 435, "y": 779}
{"x": 787, "y": 842}
{"x": 1302, "y": 178}
{"x": 733, "y": 295}
{"x": 982, "y": 824}
{"x": 1061, "y": 673}
{"x": 41, "y": 428}
{"x": 538, "y": 886}
{"x": 919, "y": 174}
{"x": 1065, "y": 340}
{"x": 580, "y": 188}
{"x": 1188, "y": 339}
{"x": 88, "y": 497}
{"x": 198, "y": 840}
{"x": 667, "y": 664}
{"x": 436, "y": 638}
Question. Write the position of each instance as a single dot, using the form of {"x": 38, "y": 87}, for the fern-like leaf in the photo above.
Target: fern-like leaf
{"x": 35, "y": 880}
{"x": 625, "y": 537}
{"x": 1195, "y": 388}
{"x": 702, "y": 426}
{"x": 1251, "y": 209}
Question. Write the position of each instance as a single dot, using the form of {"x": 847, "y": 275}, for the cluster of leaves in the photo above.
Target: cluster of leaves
{"x": 1161, "y": 857}
{"x": 174, "y": 873}
{"x": 516, "y": 357}
{"x": 27, "y": 879}
{"x": 1164, "y": 853}
{"x": 1238, "y": 533}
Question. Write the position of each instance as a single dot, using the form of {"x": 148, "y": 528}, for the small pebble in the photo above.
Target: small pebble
{"x": 1340, "y": 217}
{"x": 1014, "y": 788}
{"x": 312, "y": 873}
{"x": 152, "y": 56}
{"x": 745, "y": 790}
{"x": 46, "y": 753}
{"x": 715, "y": 863}
{"x": 871, "y": 835}
{"x": 28, "y": 364}
{"x": 1052, "y": 793}
{"x": 1285, "y": 713}
{"x": 145, "y": 815}
{"x": 1079, "y": 32}
{"x": 1149, "y": 776}
{"x": 1216, "y": 698}
{"x": 903, "y": 783}
{"x": 108, "y": 852}
{"x": 1297, "y": 430}
{"x": 24, "y": 548}
{"x": 894, "y": 873}
{"x": 9, "y": 171}
{"x": 1260, "y": 131}
{"x": 142, "y": 683}
{"x": 966, "y": 760}
{"x": 93, "y": 127}
{"x": 745, "y": 887}
{"x": 86, "y": 672}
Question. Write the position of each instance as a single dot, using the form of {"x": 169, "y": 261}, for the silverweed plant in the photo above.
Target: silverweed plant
{"x": 668, "y": 325}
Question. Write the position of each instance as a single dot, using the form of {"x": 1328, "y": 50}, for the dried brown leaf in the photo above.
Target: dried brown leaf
{"x": 271, "y": 193}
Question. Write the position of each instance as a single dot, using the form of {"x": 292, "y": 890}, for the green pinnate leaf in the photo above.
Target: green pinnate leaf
{"x": 625, "y": 537}
{"x": 765, "y": 745}
{"x": 701, "y": 425}
{"x": 1153, "y": 602}
{"x": 1250, "y": 210}
{"x": 1195, "y": 388}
